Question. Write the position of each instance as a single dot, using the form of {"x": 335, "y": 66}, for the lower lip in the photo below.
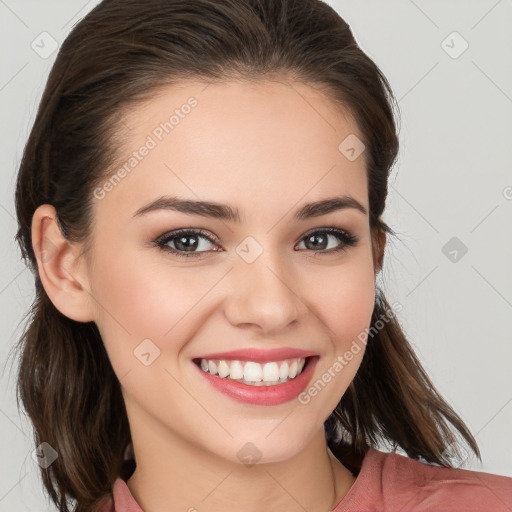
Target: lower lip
{"x": 262, "y": 395}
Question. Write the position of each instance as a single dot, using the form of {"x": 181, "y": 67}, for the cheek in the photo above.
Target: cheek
{"x": 136, "y": 299}
{"x": 142, "y": 298}
{"x": 143, "y": 293}
{"x": 351, "y": 308}
{"x": 344, "y": 299}
{"x": 345, "y": 309}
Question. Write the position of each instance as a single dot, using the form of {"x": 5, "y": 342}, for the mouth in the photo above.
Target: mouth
{"x": 253, "y": 373}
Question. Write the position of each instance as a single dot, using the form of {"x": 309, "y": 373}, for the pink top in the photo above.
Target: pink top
{"x": 393, "y": 482}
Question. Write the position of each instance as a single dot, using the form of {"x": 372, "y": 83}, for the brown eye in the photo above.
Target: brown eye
{"x": 318, "y": 240}
{"x": 186, "y": 242}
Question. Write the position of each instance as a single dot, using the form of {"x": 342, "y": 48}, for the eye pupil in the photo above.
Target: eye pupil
{"x": 181, "y": 239}
{"x": 316, "y": 237}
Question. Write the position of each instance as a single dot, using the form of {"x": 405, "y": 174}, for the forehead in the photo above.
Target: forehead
{"x": 228, "y": 140}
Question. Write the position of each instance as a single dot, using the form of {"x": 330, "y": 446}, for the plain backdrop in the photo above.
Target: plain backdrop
{"x": 450, "y": 201}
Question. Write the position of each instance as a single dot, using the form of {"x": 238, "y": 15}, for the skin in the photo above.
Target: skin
{"x": 266, "y": 148}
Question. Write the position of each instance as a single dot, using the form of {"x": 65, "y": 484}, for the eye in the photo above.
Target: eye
{"x": 320, "y": 237}
{"x": 181, "y": 239}
{"x": 190, "y": 242}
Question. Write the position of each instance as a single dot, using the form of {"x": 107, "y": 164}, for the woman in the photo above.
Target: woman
{"x": 200, "y": 200}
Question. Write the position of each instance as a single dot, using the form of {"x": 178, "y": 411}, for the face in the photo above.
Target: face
{"x": 266, "y": 280}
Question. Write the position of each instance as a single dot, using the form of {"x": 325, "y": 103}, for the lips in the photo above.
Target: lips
{"x": 258, "y": 355}
{"x": 261, "y": 395}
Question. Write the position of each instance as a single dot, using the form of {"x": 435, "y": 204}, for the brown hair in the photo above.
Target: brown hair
{"x": 120, "y": 54}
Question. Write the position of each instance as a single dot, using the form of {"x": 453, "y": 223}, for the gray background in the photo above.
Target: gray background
{"x": 453, "y": 179}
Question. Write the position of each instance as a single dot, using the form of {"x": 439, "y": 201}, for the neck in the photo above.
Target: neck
{"x": 173, "y": 472}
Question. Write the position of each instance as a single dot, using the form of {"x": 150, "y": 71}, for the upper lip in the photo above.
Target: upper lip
{"x": 260, "y": 355}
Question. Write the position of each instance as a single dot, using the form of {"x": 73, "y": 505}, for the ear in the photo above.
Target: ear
{"x": 62, "y": 275}
{"x": 378, "y": 251}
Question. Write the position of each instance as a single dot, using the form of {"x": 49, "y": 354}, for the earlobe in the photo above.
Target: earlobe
{"x": 62, "y": 275}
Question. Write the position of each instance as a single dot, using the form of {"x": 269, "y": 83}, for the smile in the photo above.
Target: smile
{"x": 257, "y": 377}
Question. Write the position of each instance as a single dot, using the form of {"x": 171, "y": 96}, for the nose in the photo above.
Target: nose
{"x": 263, "y": 295}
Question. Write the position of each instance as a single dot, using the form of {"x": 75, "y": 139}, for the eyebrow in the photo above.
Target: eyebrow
{"x": 226, "y": 212}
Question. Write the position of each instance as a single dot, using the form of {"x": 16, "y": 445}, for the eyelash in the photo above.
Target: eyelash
{"x": 347, "y": 239}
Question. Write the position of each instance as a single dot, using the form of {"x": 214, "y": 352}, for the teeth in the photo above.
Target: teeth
{"x": 223, "y": 369}
{"x": 256, "y": 374}
{"x": 212, "y": 367}
{"x": 252, "y": 372}
{"x": 236, "y": 370}
{"x": 271, "y": 372}
{"x": 284, "y": 371}
{"x": 293, "y": 369}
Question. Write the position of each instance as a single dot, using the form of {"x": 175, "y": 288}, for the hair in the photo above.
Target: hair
{"x": 121, "y": 54}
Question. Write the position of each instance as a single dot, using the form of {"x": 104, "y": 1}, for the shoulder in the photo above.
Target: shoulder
{"x": 390, "y": 481}
{"x": 445, "y": 487}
